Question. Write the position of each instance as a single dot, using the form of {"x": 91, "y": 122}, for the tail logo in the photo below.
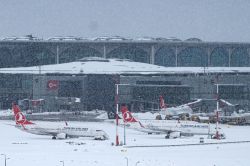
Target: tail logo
{"x": 127, "y": 116}
{"x": 20, "y": 118}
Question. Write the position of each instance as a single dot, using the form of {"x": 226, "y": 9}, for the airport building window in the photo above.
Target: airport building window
{"x": 76, "y": 53}
{"x": 27, "y": 83}
{"x": 239, "y": 58}
{"x": 165, "y": 57}
{"x": 129, "y": 52}
{"x": 70, "y": 89}
{"x": 219, "y": 58}
{"x": 192, "y": 57}
{"x": 174, "y": 95}
{"x": 10, "y": 81}
{"x": 232, "y": 92}
{"x": 6, "y": 58}
{"x": 33, "y": 55}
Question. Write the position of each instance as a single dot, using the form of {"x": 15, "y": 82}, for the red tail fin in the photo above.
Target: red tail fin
{"x": 127, "y": 116}
{"x": 19, "y": 117}
{"x": 162, "y": 103}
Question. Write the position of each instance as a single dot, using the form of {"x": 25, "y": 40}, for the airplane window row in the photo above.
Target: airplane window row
{"x": 78, "y": 129}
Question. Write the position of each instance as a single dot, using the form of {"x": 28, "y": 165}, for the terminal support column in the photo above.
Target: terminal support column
{"x": 152, "y": 56}
{"x": 57, "y": 54}
{"x": 104, "y": 51}
{"x": 229, "y": 57}
{"x": 176, "y": 57}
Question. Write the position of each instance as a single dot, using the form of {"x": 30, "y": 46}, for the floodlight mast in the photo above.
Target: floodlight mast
{"x": 5, "y": 159}
{"x": 217, "y": 112}
{"x": 116, "y": 116}
{"x": 117, "y": 111}
{"x": 62, "y": 162}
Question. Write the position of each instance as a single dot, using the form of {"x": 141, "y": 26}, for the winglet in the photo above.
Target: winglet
{"x": 162, "y": 103}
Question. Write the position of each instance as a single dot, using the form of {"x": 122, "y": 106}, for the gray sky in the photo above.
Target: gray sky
{"x": 210, "y": 20}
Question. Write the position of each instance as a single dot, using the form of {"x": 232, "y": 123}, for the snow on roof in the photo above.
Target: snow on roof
{"x": 90, "y": 66}
{"x": 117, "y": 66}
{"x": 226, "y": 102}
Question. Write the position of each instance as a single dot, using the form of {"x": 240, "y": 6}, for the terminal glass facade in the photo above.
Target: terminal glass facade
{"x": 165, "y": 57}
{"x": 75, "y": 53}
{"x": 129, "y": 52}
{"x": 192, "y": 57}
{"x": 219, "y": 58}
{"x": 239, "y": 58}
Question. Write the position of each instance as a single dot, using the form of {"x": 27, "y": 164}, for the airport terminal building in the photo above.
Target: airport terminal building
{"x": 181, "y": 71}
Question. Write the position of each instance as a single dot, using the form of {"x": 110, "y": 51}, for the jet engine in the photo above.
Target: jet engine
{"x": 100, "y": 135}
{"x": 61, "y": 136}
{"x": 173, "y": 135}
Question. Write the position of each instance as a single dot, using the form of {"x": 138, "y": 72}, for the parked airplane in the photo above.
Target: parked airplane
{"x": 176, "y": 111}
{"x": 62, "y": 132}
{"x": 233, "y": 116}
{"x": 173, "y": 128}
{"x": 236, "y": 118}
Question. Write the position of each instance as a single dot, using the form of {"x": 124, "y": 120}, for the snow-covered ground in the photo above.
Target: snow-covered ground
{"x": 27, "y": 149}
{"x": 6, "y": 112}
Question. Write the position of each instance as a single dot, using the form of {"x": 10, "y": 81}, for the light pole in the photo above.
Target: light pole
{"x": 117, "y": 111}
{"x": 5, "y": 159}
{"x": 217, "y": 111}
{"x": 137, "y": 163}
{"x": 62, "y": 162}
{"x": 124, "y": 132}
{"x": 116, "y": 115}
{"x": 127, "y": 160}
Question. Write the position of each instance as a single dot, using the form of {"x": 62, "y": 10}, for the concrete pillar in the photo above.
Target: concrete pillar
{"x": 104, "y": 51}
{"x": 57, "y": 54}
{"x": 248, "y": 52}
{"x": 229, "y": 56}
{"x": 152, "y": 56}
{"x": 176, "y": 56}
{"x": 209, "y": 50}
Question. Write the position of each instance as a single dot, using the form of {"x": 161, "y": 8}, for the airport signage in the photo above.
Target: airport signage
{"x": 52, "y": 84}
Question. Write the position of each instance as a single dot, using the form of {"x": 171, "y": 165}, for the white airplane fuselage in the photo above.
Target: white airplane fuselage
{"x": 61, "y": 132}
{"x": 165, "y": 126}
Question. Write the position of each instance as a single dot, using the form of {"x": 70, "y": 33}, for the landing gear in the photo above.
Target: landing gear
{"x": 168, "y": 135}
{"x": 54, "y": 137}
{"x": 99, "y": 138}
